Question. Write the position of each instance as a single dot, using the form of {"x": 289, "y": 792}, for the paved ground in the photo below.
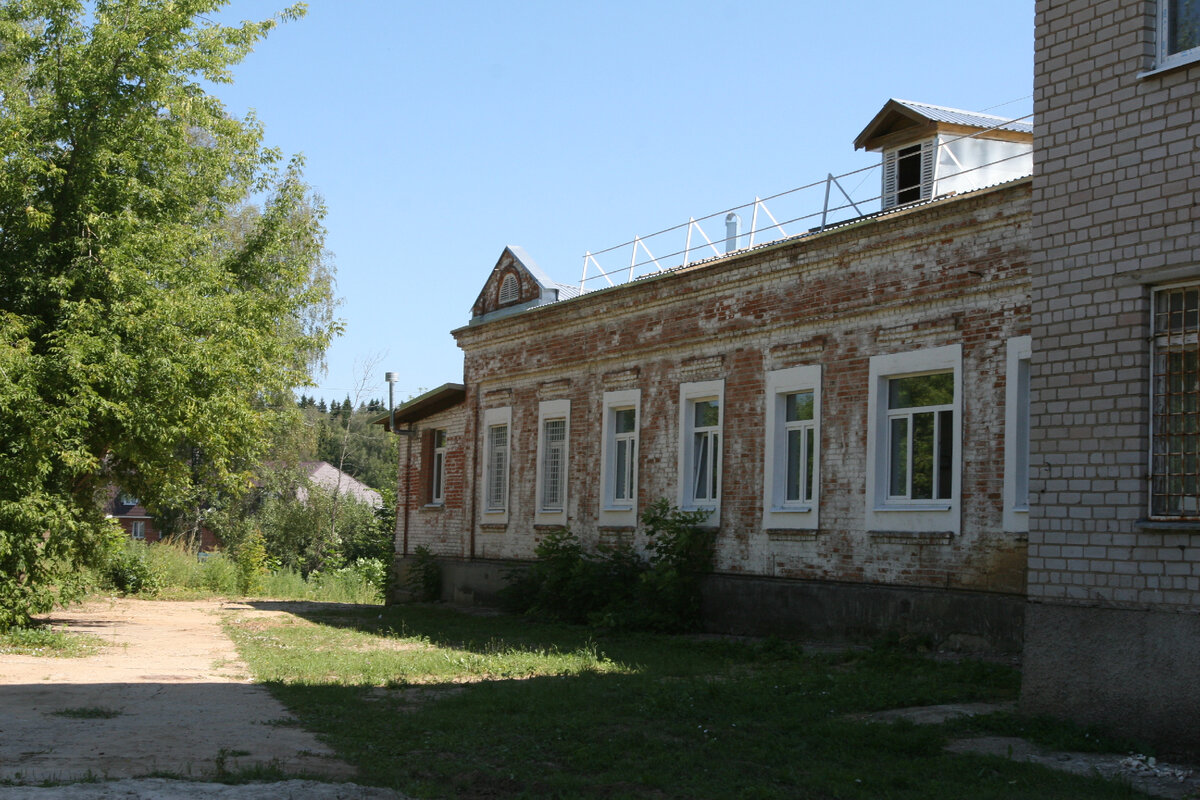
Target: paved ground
{"x": 168, "y": 696}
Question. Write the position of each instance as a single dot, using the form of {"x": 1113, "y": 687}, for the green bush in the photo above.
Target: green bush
{"x": 615, "y": 587}
{"x": 129, "y": 572}
{"x": 424, "y": 578}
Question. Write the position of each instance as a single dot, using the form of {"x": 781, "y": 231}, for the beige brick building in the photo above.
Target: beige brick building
{"x": 1113, "y": 633}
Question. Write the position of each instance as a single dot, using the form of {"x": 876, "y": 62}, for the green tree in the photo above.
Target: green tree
{"x": 153, "y": 322}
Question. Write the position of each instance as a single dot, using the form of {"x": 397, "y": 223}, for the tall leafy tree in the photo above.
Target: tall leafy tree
{"x": 151, "y": 324}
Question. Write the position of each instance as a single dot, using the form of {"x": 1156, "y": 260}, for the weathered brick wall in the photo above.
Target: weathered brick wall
{"x": 953, "y": 272}
{"x": 441, "y": 528}
{"x": 1114, "y": 208}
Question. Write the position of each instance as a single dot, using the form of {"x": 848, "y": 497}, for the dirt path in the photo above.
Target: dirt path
{"x": 168, "y": 696}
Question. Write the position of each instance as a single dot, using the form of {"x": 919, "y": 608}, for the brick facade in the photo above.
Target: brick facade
{"x": 951, "y": 273}
{"x": 1114, "y": 215}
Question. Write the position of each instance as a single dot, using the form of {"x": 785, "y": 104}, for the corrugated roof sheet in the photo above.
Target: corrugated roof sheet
{"x": 956, "y": 116}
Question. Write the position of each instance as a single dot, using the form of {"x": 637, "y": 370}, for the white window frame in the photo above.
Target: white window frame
{"x": 778, "y": 511}
{"x": 1016, "y": 434}
{"x": 614, "y": 512}
{"x": 910, "y": 516}
{"x": 437, "y": 490}
{"x": 689, "y": 395}
{"x": 1177, "y": 341}
{"x": 1168, "y": 60}
{"x": 137, "y": 530}
{"x": 494, "y": 417}
{"x": 890, "y": 192}
{"x": 550, "y": 410}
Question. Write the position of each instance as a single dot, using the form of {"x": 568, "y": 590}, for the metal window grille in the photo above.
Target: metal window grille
{"x": 554, "y": 453}
{"x": 497, "y": 482}
{"x": 1175, "y": 431}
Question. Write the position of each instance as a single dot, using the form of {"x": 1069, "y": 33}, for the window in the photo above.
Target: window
{"x": 1178, "y": 32}
{"x": 791, "y": 474}
{"x": 619, "y": 457}
{"x": 908, "y": 174}
{"x": 137, "y": 530}
{"x": 510, "y": 289}
{"x": 437, "y": 495}
{"x": 700, "y": 445}
{"x": 496, "y": 425}
{"x": 1016, "y": 436}
{"x": 913, "y": 438}
{"x": 553, "y": 428}
{"x": 1175, "y": 414}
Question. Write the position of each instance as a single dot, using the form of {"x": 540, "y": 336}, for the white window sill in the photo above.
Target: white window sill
{"x": 1172, "y": 63}
{"x": 432, "y": 506}
{"x": 883, "y": 509}
{"x": 1020, "y": 509}
{"x": 791, "y": 509}
{"x": 616, "y": 509}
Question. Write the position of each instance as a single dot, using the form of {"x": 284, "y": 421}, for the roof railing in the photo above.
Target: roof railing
{"x": 620, "y": 263}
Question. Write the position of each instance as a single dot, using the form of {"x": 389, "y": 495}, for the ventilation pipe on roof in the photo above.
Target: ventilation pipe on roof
{"x": 733, "y": 225}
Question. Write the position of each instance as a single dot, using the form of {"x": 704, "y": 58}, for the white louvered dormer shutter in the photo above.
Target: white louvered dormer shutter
{"x": 510, "y": 289}
{"x": 908, "y": 174}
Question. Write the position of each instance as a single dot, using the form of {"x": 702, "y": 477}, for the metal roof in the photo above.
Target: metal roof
{"x": 956, "y": 116}
{"x": 445, "y": 396}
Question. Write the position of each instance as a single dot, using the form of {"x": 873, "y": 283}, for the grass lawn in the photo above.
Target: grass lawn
{"x": 438, "y": 703}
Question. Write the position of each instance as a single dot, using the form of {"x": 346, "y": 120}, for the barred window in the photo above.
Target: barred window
{"x": 497, "y": 468}
{"x": 1175, "y": 419}
{"x": 554, "y": 458}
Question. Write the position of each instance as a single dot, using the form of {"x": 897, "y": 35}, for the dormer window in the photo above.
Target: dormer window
{"x": 510, "y": 289}
{"x": 908, "y": 174}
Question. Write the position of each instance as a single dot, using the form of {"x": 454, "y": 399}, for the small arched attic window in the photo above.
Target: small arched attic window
{"x": 510, "y": 289}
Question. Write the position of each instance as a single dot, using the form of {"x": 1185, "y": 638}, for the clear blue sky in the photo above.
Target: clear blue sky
{"x": 438, "y": 133}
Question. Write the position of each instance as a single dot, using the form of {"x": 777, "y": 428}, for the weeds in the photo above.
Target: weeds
{"x": 44, "y": 641}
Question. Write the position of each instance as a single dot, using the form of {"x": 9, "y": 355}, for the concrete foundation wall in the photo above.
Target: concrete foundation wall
{"x": 750, "y": 606}
{"x": 1131, "y": 671}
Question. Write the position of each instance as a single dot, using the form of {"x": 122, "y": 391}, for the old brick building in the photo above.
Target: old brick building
{"x": 1114, "y": 558}
{"x": 836, "y": 400}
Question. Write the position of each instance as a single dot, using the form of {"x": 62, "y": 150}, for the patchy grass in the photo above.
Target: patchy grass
{"x": 438, "y": 703}
{"x": 88, "y": 712}
{"x": 45, "y": 641}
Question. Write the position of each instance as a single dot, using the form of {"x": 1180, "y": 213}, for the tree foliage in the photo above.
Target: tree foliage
{"x": 152, "y": 322}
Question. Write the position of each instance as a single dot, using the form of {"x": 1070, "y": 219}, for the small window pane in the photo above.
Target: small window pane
{"x": 898, "y": 466}
{"x": 626, "y": 420}
{"x": 917, "y": 391}
{"x": 808, "y": 464}
{"x": 707, "y": 414}
{"x": 700, "y": 466}
{"x": 624, "y": 471}
{"x": 795, "y": 455}
{"x": 800, "y": 406}
{"x": 922, "y": 456}
{"x": 439, "y": 439}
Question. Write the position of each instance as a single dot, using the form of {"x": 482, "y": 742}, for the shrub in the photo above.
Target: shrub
{"x": 129, "y": 572}
{"x": 424, "y": 578}
{"x": 221, "y": 574}
{"x": 615, "y": 587}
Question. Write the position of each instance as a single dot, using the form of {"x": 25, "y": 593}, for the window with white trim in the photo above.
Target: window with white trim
{"x": 792, "y": 469}
{"x": 1175, "y": 403}
{"x": 1178, "y": 32}
{"x": 437, "y": 494}
{"x": 908, "y": 174}
{"x": 619, "y": 457}
{"x": 137, "y": 530}
{"x": 1016, "y": 435}
{"x": 701, "y": 418}
{"x": 553, "y": 429}
{"x": 914, "y": 433}
{"x": 497, "y": 424}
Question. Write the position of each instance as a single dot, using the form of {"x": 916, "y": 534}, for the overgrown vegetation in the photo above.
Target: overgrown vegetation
{"x": 43, "y": 640}
{"x": 437, "y": 703}
{"x": 615, "y": 586}
{"x": 173, "y": 571}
